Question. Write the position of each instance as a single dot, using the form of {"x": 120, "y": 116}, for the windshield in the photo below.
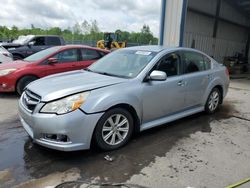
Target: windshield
{"x": 2, "y": 49}
{"x": 124, "y": 63}
{"x": 23, "y": 39}
{"x": 42, "y": 54}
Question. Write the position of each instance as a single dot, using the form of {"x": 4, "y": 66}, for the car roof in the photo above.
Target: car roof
{"x": 44, "y": 36}
{"x": 159, "y": 48}
{"x": 152, "y": 48}
{"x": 69, "y": 46}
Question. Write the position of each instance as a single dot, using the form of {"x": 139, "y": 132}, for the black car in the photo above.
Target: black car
{"x": 25, "y": 46}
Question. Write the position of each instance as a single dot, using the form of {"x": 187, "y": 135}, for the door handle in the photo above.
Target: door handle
{"x": 210, "y": 76}
{"x": 181, "y": 83}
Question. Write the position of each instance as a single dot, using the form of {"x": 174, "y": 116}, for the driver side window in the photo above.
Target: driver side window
{"x": 67, "y": 56}
{"x": 170, "y": 64}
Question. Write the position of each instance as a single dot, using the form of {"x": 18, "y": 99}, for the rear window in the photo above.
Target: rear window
{"x": 103, "y": 53}
{"x": 53, "y": 41}
{"x": 88, "y": 54}
{"x": 195, "y": 62}
{"x": 207, "y": 62}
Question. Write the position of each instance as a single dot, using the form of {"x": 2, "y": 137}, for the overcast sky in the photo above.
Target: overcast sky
{"x": 127, "y": 15}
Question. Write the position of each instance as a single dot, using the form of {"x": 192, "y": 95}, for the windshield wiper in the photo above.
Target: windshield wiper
{"x": 87, "y": 69}
{"x": 110, "y": 74}
{"x": 105, "y": 73}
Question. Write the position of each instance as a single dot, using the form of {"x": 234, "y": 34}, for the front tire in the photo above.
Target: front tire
{"x": 114, "y": 129}
{"x": 213, "y": 101}
{"x": 23, "y": 82}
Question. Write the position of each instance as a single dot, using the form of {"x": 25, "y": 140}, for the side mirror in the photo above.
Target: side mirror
{"x": 158, "y": 75}
{"x": 31, "y": 43}
{"x": 52, "y": 60}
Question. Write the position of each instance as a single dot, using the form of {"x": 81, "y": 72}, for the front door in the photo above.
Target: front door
{"x": 38, "y": 45}
{"x": 67, "y": 61}
{"x": 163, "y": 98}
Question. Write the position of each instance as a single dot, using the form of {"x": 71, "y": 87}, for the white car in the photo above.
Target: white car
{"x": 5, "y": 56}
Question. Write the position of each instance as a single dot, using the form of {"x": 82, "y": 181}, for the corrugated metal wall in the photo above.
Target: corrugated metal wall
{"x": 199, "y": 29}
{"x": 208, "y": 6}
{"x": 230, "y": 12}
{"x": 217, "y": 48}
{"x": 199, "y": 24}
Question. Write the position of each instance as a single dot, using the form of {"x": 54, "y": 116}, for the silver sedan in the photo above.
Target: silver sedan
{"x": 129, "y": 90}
{"x": 5, "y": 56}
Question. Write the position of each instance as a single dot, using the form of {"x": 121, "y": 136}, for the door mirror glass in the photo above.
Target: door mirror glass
{"x": 31, "y": 43}
{"x": 52, "y": 60}
{"x": 158, "y": 75}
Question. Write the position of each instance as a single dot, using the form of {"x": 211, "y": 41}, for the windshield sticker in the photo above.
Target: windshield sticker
{"x": 142, "y": 53}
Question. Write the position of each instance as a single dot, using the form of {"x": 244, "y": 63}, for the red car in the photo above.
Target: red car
{"x": 16, "y": 76}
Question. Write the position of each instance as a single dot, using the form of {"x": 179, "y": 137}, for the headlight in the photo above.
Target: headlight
{"x": 65, "y": 105}
{"x": 6, "y": 71}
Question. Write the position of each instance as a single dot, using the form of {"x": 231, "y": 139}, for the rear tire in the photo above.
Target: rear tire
{"x": 23, "y": 82}
{"x": 213, "y": 101}
{"x": 17, "y": 57}
{"x": 114, "y": 129}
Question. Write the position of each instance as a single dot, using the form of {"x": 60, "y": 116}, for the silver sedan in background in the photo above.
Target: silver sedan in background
{"x": 129, "y": 90}
{"x": 5, "y": 56}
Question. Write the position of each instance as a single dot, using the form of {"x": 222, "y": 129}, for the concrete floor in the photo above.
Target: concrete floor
{"x": 197, "y": 151}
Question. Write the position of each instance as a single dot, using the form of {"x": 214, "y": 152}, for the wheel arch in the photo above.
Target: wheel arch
{"x": 216, "y": 83}
{"x": 20, "y": 77}
{"x": 132, "y": 111}
{"x": 220, "y": 88}
{"x": 18, "y": 54}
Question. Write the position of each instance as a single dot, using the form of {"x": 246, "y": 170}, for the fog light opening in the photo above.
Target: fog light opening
{"x": 4, "y": 85}
{"x": 56, "y": 137}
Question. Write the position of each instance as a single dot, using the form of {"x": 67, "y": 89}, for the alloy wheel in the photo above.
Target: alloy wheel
{"x": 115, "y": 129}
{"x": 213, "y": 100}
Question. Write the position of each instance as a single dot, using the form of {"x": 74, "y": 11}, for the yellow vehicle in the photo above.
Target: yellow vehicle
{"x": 111, "y": 41}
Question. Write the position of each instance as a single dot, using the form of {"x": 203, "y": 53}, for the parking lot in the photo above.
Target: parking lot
{"x": 197, "y": 151}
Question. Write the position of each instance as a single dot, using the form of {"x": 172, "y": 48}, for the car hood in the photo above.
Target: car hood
{"x": 64, "y": 84}
{"x": 15, "y": 64}
{"x": 11, "y": 45}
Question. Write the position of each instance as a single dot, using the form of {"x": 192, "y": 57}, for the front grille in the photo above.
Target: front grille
{"x": 30, "y": 100}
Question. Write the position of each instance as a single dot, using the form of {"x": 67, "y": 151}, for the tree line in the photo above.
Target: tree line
{"x": 84, "y": 31}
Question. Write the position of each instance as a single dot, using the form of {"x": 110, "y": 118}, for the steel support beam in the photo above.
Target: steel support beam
{"x": 172, "y": 24}
{"x": 248, "y": 46}
{"x": 216, "y": 21}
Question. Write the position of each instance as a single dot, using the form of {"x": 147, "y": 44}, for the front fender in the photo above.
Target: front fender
{"x": 103, "y": 99}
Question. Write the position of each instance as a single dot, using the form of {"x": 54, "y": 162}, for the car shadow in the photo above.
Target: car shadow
{"x": 36, "y": 161}
{"x": 12, "y": 95}
{"x": 138, "y": 153}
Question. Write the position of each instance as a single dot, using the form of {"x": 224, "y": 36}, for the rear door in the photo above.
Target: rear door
{"x": 67, "y": 61}
{"x": 197, "y": 74}
{"x": 53, "y": 41}
{"x": 163, "y": 98}
{"x": 88, "y": 56}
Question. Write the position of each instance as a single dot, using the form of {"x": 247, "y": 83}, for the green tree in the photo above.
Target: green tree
{"x": 87, "y": 31}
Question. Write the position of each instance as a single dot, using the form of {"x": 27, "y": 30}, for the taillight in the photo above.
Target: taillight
{"x": 227, "y": 72}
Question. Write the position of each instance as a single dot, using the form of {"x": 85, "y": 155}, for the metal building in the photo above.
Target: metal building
{"x": 218, "y": 27}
